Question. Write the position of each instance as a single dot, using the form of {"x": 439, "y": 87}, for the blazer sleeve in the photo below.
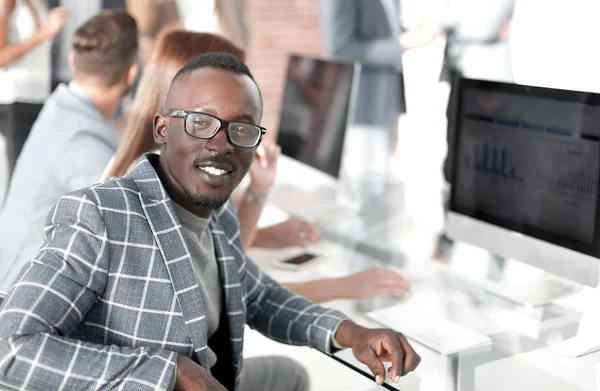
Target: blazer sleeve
{"x": 52, "y": 296}
{"x": 284, "y": 316}
{"x": 339, "y": 20}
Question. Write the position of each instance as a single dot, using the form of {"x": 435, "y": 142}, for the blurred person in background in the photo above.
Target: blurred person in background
{"x": 26, "y": 33}
{"x": 172, "y": 52}
{"x": 73, "y": 138}
{"x": 152, "y": 16}
{"x": 79, "y": 12}
{"x": 369, "y": 32}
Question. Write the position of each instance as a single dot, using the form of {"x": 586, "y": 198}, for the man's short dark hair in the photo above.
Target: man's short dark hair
{"x": 106, "y": 46}
{"x": 225, "y": 61}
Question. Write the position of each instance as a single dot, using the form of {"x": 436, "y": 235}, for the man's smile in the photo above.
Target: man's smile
{"x": 214, "y": 173}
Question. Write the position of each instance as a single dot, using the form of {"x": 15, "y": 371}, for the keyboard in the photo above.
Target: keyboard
{"x": 437, "y": 333}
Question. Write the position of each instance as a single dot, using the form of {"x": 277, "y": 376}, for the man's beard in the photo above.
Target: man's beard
{"x": 204, "y": 201}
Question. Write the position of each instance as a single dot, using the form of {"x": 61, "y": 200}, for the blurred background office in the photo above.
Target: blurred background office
{"x": 491, "y": 41}
{"x": 488, "y": 41}
{"x": 27, "y": 28}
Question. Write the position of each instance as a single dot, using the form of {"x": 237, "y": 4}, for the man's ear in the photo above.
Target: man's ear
{"x": 161, "y": 128}
{"x": 131, "y": 74}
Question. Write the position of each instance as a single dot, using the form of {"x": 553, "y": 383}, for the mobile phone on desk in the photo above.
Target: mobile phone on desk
{"x": 299, "y": 261}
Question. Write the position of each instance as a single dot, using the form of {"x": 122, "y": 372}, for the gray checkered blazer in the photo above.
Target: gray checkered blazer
{"x": 111, "y": 299}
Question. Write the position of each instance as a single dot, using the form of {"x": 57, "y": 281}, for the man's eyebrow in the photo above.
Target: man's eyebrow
{"x": 246, "y": 117}
{"x": 206, "y": 110}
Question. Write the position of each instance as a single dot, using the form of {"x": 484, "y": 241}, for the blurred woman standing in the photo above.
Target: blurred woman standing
{"x": 26, "y": 32}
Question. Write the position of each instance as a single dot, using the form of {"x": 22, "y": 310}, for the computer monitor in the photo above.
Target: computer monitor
{"x": 317, "y": 107}
{"x": 525, "y": 177}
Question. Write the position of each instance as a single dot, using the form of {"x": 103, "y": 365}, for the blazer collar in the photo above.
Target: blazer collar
{"x": 146, "y": 178}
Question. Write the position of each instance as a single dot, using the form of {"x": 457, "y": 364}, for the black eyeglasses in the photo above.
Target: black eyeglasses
{"x": 206, "y": 126}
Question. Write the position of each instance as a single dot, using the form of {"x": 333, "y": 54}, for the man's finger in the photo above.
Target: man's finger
{"x": 370, "y": 359}
{"x": 411, "y": 358}
{"x": 396, "y": 353}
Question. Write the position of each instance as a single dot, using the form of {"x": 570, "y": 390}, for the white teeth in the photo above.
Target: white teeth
{"x": 213, "y": 170}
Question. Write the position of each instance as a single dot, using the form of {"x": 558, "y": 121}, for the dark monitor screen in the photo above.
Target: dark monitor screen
{"x": 527, "y": 159}
{"x": 317, "y": 102}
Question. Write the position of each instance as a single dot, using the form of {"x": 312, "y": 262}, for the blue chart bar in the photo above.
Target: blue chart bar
{"x": 491, "y": 160}
{"x": 580, "y": 181}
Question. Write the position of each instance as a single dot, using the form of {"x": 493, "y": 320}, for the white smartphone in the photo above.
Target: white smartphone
{"x": 299, "y": 261}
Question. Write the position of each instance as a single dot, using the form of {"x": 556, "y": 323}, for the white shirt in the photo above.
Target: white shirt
{"x": 198, "y": 15}
{"x": 28, "y": 78}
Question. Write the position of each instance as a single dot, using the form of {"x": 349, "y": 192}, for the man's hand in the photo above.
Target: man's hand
{"x": 375, "y": 346}
{"x": 192, "y": 377}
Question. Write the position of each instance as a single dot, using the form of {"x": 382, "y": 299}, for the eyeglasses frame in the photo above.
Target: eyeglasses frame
{"x": 178, "y": 113}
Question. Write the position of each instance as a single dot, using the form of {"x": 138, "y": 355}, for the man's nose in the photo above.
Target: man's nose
{"x": 219, "y": 143}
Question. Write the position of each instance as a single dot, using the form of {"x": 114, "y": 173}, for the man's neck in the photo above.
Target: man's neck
{"x": 106, "y": 99}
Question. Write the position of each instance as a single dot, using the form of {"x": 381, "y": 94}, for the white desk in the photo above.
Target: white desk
{"x": 540, "y": 369}
{"x": 518, "y": 355}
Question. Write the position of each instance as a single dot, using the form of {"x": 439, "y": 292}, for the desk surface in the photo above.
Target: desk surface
{"x": 519, "y": 335}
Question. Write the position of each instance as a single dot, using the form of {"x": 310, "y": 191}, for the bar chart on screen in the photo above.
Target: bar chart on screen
{"x": 578, "y": 180}
{"x": 542, "y": 174}
{"x": 498, "y": 165}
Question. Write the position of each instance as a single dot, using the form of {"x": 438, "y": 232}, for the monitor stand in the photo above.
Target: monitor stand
{"x": 528, "y": 291}
{"x": 587, "y": 339}
{"x": 545, "y": 289}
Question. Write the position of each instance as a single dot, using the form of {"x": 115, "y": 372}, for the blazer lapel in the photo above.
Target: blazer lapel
{"x": 227, "y": 250}
{"x": 166, "y": 228}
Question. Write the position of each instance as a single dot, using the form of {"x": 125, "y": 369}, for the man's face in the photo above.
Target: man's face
{"x": 206, "y": 171}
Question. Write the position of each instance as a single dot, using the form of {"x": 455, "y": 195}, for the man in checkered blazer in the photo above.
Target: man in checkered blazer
{"x": 114, "y": 298}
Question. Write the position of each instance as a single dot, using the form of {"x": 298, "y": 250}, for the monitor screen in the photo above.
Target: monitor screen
{"x": 527, "y": 159}
{"x": 317, "y": 102}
